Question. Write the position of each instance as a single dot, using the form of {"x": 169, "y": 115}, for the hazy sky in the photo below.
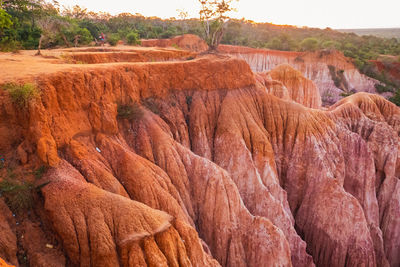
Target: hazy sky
{"x": 312, "y": 13}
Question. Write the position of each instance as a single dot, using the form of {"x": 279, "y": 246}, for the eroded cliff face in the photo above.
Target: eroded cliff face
{"x": 334, "y": 74}
{"x": 188, "y": 42}
{"x": 287, "y": 83}
{"x": 390, "y": 67}
{"x": 211, "y": 169}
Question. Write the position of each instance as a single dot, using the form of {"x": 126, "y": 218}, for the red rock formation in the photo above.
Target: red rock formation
{"x": 322, "y": 67}
{"x": 301, "y": 90}
{"x": 95, "y": 57}
{"x": 289, "y": 84}
{"x": 210, "y": 169}
{"x": 391, "y": 68}
{"x": 188, "y": 42}
{"x": 8, "y": 241}
{"x": 273, "y": 87}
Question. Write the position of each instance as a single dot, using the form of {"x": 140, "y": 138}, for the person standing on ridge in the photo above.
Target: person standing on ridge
{"x": 102, "y": 39}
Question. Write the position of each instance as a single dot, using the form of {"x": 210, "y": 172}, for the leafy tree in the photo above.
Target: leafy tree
{"x": 396, "y": 98}
{"x": 38, "y": 23}
{"x": 5, "y": 21}
{"x": 76, "y": 34}
{"x": 113, "y": 39}
{"x": 133, "y": 38}
{"x": 330, "y": 45}
{"x": 51, "y": 27}
{"x": 275, "y": 43}
{"x": 309, "y": 44}
{"x": 94, "y": 27}
{"x": 214, "y": 15}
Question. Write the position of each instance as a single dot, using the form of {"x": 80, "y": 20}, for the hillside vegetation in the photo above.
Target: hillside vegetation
{"x": 380, "y": 32}
{"x": 26, "y": 23}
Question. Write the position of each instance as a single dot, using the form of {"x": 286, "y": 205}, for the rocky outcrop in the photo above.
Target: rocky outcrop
{"x": 96, "y": 56}
{"x": 203, "y": 163}
{"x": 189, "y": 42}
{"x": 390, "y": 67}
{"x": 4, "y": 264}
{"x": 334, "y": 74}
{"x": 288, "y": 83}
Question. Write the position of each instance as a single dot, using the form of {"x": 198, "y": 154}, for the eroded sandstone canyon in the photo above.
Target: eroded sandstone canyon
{"x": 334, "y": 74}
{"x": 214, "y": 166}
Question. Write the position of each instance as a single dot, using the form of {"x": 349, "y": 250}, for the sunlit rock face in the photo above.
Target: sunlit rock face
{"x": 287, "y": 83}
{"x": 188, "y": 42}
{"x": 213, "y": 165}
{"x": 334, "y": 74}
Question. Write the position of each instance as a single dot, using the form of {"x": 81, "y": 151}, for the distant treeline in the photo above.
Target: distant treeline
{"x": 24, "y": 22}
{"x": 380, "y": 32}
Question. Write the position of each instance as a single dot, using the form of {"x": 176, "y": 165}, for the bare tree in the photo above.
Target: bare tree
{"x": 214, "y": 15}
{"x": 51, "y": 26}
{"x": 183, "y": 16}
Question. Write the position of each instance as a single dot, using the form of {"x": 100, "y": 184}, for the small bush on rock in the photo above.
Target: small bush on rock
{"x": 189, "y": 100}
{"x": 18, "y": 195}
{"x": 22, "y": 94}
{"x": 151, "y": 105}
{"x": 130, "y": 112}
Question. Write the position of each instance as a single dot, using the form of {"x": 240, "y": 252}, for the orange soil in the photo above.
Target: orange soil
{"x": 25, "y": 65}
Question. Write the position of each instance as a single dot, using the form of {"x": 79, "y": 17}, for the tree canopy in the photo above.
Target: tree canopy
{"x": 213, "y": 15}
{"x": 28, "y": 24}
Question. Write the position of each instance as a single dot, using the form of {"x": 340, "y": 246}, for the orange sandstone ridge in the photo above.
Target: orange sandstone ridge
{"x": 188, "y": 42}
{"x": 287, "y": 83}
{"x": 4, "y": 264}
{"x": 218, "y": 166}
{"x": 334, "y": 75}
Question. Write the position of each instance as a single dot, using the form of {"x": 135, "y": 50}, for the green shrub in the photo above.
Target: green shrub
{"x": 9, "y": 45}
{"x": 151, "y": 105}
{"x": 396, "y": 98}
{"x": 132, "y": 38}
{"x": 360, "y": 64}
{"x": 189, "y": 100}
{"x": 5, "y": 20}
{"x": 130, "y": 112}
{"x": 382, "y": 88}
{"x": 346, "y": 94}
{"x": 348, "y": 53}
{"x": 38, "y": 173}
{"x": 330, "y": 45}
{"x": 113, "y": 39}
{"x": 22, "y": 94}
{"x": 85, "y": 36}
{"x": 18, "y": 195}
{"x": 309, "y": 44}
{"x": 176, "y": 46}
